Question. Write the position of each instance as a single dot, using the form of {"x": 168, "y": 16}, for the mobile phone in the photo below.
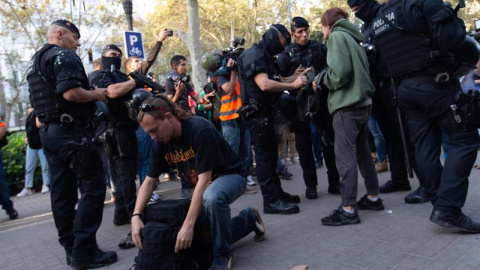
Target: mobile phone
{"x": 170, "y": 33}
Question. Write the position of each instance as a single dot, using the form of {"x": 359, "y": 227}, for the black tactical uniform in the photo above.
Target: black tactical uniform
{"x": 384, "y": 111}
{"x": 72, "y": 157}
{"x": 120, "y": 144}
{"x": 417, "y": 40}
{"x": 257, "y": 112}
{"x": 313, "y": 54}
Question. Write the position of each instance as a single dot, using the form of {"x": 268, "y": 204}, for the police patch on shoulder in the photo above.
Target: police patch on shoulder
{"x": 385, "y": 23}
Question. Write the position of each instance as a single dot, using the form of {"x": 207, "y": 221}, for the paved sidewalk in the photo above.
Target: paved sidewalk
{"x": 401, "y": 237}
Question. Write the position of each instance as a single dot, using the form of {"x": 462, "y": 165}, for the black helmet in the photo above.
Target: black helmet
{"x": 467, "y": 55}
{"x": 211, "y": 61}
{"x": 139, "y": 95}
{"x": 133, "y": 105}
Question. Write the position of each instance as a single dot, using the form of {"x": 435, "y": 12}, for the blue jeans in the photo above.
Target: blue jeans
{"x": 279, "y": 166}
{"x": 5, "y": 201}
{"x": 31, "y": 164}
{"x": 216, "y": 214}
{"x": 317, "y": 143}
{"x": 378, "y": 138}
{"x": 144, "y": 145}
{"x": 238, "y": 137}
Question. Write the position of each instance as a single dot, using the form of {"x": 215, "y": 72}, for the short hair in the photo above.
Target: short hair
{"x": 162, "y": 104}
{"x": 130, "y": 59}
{"x": 176, "y": 60}
{"x": 331, "y": 16}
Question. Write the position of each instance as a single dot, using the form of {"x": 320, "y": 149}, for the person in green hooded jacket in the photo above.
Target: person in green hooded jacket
{"x": 349, "y": 101}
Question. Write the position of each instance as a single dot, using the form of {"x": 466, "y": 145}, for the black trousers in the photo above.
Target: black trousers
{"x": 303, "y": 142}
{"x": 123, "y": 164}
{"x": 427, "y": 109}
{"x": 384, "y": 112}
{"x": 266, "y": 154}
{"x": 74, "y": 165}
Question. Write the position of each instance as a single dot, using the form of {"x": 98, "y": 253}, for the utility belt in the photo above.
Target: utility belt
{"x": 117, "y": 144}
{"x": 69, "y": 122}
{"x": 440, "y": 80}
{"x": 254, "y": 109}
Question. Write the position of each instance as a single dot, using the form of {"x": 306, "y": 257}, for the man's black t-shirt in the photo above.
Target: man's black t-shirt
{"x": 170, "y": 90}
{"x": 200, "y": 148}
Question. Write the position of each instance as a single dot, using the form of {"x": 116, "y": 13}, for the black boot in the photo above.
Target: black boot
{"x": 98, "y": 259}
{"x": 289, "y": 198}
{"x": 455, "y": 220}
{"x": 280, "y": 207}
{"x": 417, "y": 196}
{"x": 391, "y": 186}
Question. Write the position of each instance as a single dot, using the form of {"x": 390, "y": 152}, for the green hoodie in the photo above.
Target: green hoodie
{"x": 347, "y": 77}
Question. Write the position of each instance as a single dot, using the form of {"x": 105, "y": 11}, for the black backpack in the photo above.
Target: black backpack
{"x": 163, "y": 221}
{"x": 33, "y": 134}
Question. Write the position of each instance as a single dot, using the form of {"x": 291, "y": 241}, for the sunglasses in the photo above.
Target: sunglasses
{"x": 151, "y": 107}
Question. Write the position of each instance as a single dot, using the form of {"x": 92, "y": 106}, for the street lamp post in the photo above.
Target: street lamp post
{"x": 128, "y": 9}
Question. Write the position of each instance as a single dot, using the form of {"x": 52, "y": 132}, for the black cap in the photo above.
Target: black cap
{"x": 354, "y": 3}
{"x": 298, "y": 22}
{"x": 112, "y": 47}
{"x": 69, "y": 25}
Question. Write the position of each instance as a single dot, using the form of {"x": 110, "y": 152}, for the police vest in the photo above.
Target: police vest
{"x": 231, "y": 104}
{"x": 42, "y": 92}
{"x": 312, "y": 56}
{"x": 251, "y": 62}
{"x": 405, "y": 48}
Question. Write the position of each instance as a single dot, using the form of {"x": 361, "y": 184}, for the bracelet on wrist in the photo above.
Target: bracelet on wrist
{"x": 140, "y": 215}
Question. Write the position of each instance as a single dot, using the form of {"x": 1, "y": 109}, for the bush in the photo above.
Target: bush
{"x": 14, "y": 158}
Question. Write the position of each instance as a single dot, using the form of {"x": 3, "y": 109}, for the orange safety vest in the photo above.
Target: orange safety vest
{"x": 231, "y": 104}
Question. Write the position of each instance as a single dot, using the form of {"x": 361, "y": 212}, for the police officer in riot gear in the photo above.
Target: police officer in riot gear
{"x": 418, "y": 41}
{"x": 64, "y": 101}
{"x": 384, "y": 111}
{"x": 120, "y": 140}
{"x": 308, "y": 53}
{"x": 260, "y": 86}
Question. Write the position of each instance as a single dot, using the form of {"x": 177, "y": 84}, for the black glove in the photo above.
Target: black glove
{"x": 139, "y": 81}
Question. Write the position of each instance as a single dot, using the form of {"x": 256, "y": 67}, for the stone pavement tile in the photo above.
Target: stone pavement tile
{"x": 418, "y": 260}
{"x": 443, "y": 261}
{"x": 466, "y": 264}
{"x": 377, "y": 266}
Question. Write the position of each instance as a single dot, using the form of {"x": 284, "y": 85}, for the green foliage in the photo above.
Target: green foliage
{"x": 14, "y": 157}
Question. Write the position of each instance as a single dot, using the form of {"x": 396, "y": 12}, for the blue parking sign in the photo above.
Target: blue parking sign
{"x": 134, "y": 44}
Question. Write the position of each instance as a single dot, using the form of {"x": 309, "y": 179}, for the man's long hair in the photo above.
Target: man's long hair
{"x": 163, "y": 104}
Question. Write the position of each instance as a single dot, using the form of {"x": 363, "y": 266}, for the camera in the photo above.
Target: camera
{"x": 180, "y": 79}
{"x": 234, "y": 50}
{"x": 170, "y": 33}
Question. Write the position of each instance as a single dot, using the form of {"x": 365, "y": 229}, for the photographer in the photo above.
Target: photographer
{"x": 233, "y": 128}
{"x": 178, "y": 86}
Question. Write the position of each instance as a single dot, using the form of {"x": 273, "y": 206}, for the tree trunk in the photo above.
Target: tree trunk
{"x": 192, "y": 39}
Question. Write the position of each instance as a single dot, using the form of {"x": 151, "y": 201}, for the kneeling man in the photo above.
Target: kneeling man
{"x": 202, "y": 156}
